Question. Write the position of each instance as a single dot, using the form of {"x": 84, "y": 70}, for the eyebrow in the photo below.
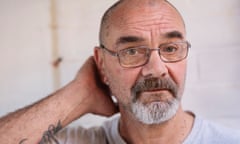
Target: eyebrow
{"x": 174, "y": 34}
{"x": 129, "y": 39}
{"x": 132, "y": 39}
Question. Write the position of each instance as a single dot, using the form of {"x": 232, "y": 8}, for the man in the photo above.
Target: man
{"x": 141, "y": 61}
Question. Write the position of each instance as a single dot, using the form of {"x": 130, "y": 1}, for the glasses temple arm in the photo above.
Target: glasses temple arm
{"x": 107, "y": 50}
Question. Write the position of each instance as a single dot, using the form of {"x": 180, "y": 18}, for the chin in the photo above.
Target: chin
{"x": 155, "y": 112}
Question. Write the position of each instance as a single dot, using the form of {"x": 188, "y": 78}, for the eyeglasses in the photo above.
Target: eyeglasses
{"x": 138, "y": 56}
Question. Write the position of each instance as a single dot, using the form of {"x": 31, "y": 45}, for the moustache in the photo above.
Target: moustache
{"x": 151, "y": 84}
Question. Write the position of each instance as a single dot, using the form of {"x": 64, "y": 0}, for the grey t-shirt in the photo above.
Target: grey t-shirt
{"x": 203, "y": 132}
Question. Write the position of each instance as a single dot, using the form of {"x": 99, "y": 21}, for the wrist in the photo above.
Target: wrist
{"x": 74, "y": 98}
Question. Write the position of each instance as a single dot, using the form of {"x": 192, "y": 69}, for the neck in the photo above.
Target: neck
{"x": 174, "y": 131}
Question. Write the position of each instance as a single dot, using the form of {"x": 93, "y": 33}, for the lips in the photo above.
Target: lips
{"x": 154, "y": 90}
{"x": 156, "y": 95}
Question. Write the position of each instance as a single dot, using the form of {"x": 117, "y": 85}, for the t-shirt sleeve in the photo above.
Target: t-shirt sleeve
{"x": 79, "y": 135}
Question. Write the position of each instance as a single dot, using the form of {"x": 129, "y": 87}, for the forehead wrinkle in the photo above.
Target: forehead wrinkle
{"x": 143, "y": 17}
{"x": 161, "y": 27}
{"x": 147, "y": 23}
{"x": 149, "y": 26}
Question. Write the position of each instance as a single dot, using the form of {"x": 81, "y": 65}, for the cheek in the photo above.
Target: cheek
{"x": 121, "y": 81}
{"x": 178, "y": 74}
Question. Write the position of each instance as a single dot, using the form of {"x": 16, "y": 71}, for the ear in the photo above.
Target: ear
{"x": 99, "y": 59}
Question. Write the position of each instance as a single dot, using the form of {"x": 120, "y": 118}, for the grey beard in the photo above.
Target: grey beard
{"x": 155, "y": 112}
{"x": 159, "y": 111}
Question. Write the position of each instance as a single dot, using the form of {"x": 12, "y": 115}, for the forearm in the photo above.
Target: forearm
{"x": 30, "y": 123}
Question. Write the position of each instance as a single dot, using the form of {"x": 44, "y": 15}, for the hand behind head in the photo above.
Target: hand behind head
{"x": 96, "y": 95}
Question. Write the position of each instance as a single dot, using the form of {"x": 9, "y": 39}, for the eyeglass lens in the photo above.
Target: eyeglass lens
{"x": 137, "y": 56}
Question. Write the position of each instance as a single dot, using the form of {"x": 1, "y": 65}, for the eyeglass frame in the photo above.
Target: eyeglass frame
{"x": 113, "y": 53}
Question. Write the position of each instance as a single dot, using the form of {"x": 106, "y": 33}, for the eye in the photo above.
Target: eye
{"x": 131, "y": 51}
{"x": 169, "y": 49}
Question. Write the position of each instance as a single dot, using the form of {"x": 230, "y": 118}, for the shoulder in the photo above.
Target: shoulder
{"x": 111, "y": 129}
{"x": 205, "y": 132}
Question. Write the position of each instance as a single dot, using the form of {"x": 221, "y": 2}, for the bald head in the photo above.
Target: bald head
{"x": 105, "y": 21}
{"x": 121, "y": 10}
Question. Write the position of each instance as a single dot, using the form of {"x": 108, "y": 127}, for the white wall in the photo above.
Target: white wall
{"x": 213, "y": 86}
{"x": 24, "y": 53}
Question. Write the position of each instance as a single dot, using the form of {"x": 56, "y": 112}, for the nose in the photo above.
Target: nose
{"x": 155, "y": 66}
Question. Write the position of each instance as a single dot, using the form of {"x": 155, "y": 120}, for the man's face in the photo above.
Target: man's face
{"x": 151, "y": 92}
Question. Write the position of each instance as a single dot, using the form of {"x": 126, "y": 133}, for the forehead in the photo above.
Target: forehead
{"x": 142, "y": 17}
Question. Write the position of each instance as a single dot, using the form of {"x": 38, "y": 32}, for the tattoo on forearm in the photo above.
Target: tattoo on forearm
{"x": 49, "y": 135}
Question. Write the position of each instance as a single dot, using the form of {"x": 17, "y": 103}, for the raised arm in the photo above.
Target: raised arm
{"x": 85, "y": 94}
